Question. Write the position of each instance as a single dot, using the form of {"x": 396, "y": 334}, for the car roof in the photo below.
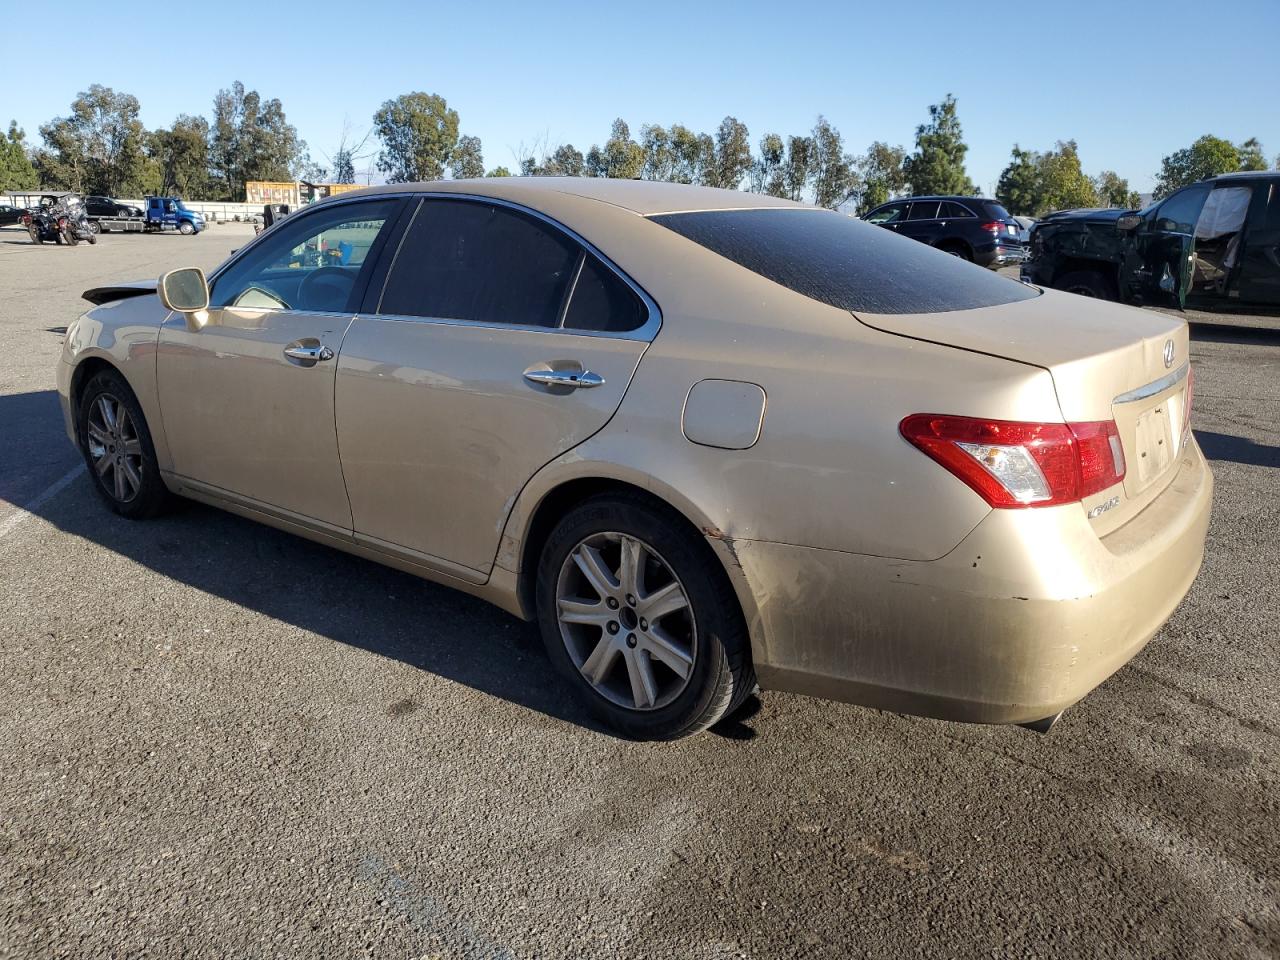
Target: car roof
{"x": 1247, "y": 175}
{"x": 643, "y": 197}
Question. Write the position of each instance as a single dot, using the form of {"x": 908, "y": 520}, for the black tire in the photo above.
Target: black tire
{"x": 151, "y": 495}
{"x": 1087, "y": 283}
{"x": 722, "y": 676}
{"x": 34, "y": 231}
{"x": 93, "y": 238}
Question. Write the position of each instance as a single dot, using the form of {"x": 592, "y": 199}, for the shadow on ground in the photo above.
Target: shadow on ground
{"x": 365, "y": 604}
{"x": 1226, "y": 446}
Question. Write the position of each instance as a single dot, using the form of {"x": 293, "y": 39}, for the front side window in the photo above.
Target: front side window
{"x": 890, "y": 214}
{"x": 308, "y": 263}
{"x": 469, "y": 260}
{"x": 924, "y": 210}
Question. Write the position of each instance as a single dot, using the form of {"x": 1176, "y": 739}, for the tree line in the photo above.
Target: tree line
{"x": 102, "y": 147}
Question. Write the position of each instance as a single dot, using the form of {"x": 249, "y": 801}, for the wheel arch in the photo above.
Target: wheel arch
{"x": 538, "y": 511}
{"x": 956, "y": 243}
{"x": 84, "y": 371}
{"x": 1108, "y": 270}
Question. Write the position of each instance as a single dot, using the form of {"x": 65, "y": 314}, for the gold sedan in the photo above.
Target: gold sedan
{"x": 707, "y": 439}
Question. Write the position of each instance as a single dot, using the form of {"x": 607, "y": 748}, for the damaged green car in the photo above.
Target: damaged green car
{"x": 1210, "y": 245}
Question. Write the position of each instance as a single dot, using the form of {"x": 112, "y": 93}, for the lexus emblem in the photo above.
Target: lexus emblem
{"x": 1168, "y": 353}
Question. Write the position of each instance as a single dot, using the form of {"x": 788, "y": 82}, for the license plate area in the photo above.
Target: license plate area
{"x": 1152, "y": 437}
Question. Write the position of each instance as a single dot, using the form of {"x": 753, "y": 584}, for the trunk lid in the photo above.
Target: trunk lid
{"x": 1107, "y": 361}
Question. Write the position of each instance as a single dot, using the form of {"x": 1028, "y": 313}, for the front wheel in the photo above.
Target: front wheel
{"x": 638, "y": 615}
{"x": 1087, "y": 283}
{"x": 117, "y": 448}
{"x": 186, "y": 229}
{"x": 93, "y": 238}
{"x": 35, "y": 233}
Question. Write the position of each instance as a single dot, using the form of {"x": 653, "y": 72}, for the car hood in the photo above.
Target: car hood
{"x": 1108, "y": 215}
{"x": 119, "y": 291}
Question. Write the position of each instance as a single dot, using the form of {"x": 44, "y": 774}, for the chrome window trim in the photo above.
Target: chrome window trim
{"x": 645, "y": 332}
{"x": 1155, "y": 386}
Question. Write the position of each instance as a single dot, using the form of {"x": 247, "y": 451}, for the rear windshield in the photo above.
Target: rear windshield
{"x": 995, "y": 211}
{"x": 845, "y": 262}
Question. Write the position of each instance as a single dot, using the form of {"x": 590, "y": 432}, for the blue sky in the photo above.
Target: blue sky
{"x": 1129, "y": 81}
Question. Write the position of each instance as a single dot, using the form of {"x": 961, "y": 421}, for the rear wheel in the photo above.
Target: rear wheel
{"x": 957, "y": 250}
{"x": 637, "y": 614}
{"x": 1087, "y": 283}
{"x": 35, "y": 233}
{"x": 117, "y": 448}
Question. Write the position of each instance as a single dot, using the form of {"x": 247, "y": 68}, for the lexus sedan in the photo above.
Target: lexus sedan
{"x": 708, "y": 440}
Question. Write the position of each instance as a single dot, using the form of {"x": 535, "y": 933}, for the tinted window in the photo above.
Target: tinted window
{"x": 954, "y": 211}
{"x": 277, "y": 273}
{"x": 1180, "y": 212}
{"x": 924, "y": 210}
{"x": 994, "y": 210}
{"x": 889, "y": 214}
{"x": 463, "y": 260}
{"x": 601, "y": 301}
{"x": 845, "y": 262}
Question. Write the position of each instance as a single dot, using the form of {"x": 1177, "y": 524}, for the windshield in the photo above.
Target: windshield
{"x": 845, "y": 262}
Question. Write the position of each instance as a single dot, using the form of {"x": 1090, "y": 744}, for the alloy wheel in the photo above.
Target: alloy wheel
{"x": 115, "y": 449}
{"x": 626, "y": 621}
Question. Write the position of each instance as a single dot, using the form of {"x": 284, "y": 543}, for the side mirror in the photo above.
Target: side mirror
{"x": 185, "y": 290}
{"x": 1128, "y": 221}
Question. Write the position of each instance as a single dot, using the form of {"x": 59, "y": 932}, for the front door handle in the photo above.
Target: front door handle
{"x": 308, "y": 353}
{"x": 573, "y": 379}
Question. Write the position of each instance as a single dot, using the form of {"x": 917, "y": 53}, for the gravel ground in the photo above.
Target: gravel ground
{"x": 219, "y": 740}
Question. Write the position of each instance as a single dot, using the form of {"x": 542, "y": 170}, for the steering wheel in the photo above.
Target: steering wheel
{"x": 326, "y": 288}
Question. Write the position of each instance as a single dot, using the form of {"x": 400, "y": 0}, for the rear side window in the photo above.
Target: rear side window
{"x": 924, "y": 210}
{"x": 954, "y": 211}
{"x": 463, "y": 260}
{"x": 844, "y": 262}
{"x": 601, "y": 301}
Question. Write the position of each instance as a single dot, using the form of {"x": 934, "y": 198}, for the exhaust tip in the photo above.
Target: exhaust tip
{"x": 1044, "y": 724}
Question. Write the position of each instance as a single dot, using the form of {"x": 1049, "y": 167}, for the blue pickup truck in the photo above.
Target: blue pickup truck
{"x": 157, "y": 215}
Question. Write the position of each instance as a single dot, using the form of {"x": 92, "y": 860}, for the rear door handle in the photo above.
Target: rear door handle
{"x": 309, "y": 354}
{"x": 574, "y": 379}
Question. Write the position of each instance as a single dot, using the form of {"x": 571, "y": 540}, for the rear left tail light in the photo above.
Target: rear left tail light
{"x": 995, "y": 227}
{"x": 1012, "y": 464}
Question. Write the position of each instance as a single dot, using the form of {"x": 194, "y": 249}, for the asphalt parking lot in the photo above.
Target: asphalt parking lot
{"x": 220, "y": 740}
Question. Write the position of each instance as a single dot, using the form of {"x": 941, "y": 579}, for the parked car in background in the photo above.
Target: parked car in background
{"x": 972, "y": 228}
{"x": 551, "y": 393}
{"x": 98, "y": 207}
{"x": 9, "y": 214}
{"x": 159, "y": 214}
{"x": 1025, "y": 224}
{"x": 1208, "y": 245}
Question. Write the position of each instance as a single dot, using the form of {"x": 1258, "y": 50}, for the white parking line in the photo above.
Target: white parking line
{"x": 22, "y": 514}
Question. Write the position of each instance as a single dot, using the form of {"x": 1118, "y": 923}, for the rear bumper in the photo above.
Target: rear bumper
{"x": 1026, "y": 616}
{"x": 1001, "y": 255}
